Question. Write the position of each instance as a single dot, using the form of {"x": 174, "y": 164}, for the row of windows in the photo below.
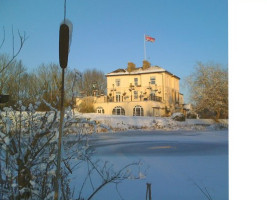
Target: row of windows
{"x": 118, "y": 110}
{"x": 135, "y": 95}
{"x": 118, "y": 96}
{"x": 152, "y": 81}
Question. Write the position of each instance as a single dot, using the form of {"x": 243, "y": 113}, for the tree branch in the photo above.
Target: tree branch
{"x": 22, "y": 39}
{"x": 4, "y": 37}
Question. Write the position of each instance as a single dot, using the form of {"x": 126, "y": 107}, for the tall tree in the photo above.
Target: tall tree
{"x": 209, "y": 89}
{"x": 93, "y": 80}
{"x": 49, "y": 76}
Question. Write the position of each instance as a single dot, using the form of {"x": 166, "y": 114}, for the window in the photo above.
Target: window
{"x": 117, "y": 82}
{"x": 135, "y": 95}
{"x": 118, "y": 96}
{"x": 118, "y": 111}
{"x": 138, "y": 111}
{"x": 136, "y": 81}
{"x": 152, "y": 80}
{"x": 152, "y": 95}
{"x": 100, "y": 110}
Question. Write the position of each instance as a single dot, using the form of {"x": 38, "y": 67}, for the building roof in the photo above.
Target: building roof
{"x": 140, "y": 70}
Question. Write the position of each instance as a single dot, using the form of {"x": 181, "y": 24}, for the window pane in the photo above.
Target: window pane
{"x": 135, "y": 81}
{"x": 118, "y": 111}
{"x": 138, "y": 111}
{"x": 135, "y": 94}
{"x": 118, "y": 96}
{"x": 117, "y": 81}
{"x": 153, "y": 80}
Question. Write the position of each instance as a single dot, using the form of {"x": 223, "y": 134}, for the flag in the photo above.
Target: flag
{"x": 150, "y": 39}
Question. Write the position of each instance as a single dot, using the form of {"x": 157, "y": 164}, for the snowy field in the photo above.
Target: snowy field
{"x": 177, "y": 164}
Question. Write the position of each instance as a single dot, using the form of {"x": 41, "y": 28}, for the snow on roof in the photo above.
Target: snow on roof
{"x": 140, "y": 70}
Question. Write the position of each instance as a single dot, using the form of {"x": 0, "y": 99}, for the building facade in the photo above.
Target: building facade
{"x": 145, "y": 91}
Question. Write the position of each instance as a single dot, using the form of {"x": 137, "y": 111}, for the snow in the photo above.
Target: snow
{"x": 139, "y": 71}
{"x": 177, "y": 114}
{"x": 7, "y": 140}
{"x": 117, "y": 123}
{"x": 175, "y": 156}
{"x": 178, "y": 161}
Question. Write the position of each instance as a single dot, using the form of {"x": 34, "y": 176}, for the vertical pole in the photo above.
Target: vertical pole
{"x": 58, "y": 176}
{"x": 148, "y": 191}
{"x": 145, "y": 46}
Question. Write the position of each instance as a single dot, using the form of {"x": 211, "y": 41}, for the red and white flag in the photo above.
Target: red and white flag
{"x": 150, "y": 39}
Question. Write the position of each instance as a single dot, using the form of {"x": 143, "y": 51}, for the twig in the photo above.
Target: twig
{"x": 4, "y": 37}
{"x": 207, "y": 195}
{"x": 22, "y": 38}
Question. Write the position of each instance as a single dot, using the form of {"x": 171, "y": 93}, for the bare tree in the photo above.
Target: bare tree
{"x": 93, "y": 81}
{"x": 15, "y": 53}
{"x": 12, "y": 79}
{"x": 209, "y": 89}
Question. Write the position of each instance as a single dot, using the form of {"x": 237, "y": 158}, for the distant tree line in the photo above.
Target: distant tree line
{"x": 22, "y": 85}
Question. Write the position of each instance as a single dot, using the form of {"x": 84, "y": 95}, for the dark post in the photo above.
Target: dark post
{"x": 148, "y": 191}
{"x": 63, "y": 60}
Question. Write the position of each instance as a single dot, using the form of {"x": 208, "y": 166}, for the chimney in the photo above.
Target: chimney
{"x": 146, "y": 64}
{"x": 130, "y": 67}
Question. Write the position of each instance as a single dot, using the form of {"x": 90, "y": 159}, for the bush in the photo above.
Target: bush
{"x": 178, "y": 117}
{"x": 191, "y": 115}
{"x": 28, "y": 162}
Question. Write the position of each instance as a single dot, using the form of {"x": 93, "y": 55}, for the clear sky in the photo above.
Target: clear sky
{"x": 107, "y": 34}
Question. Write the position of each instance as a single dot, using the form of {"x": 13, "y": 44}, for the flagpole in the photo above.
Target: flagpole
{"x": 145, "y": 46}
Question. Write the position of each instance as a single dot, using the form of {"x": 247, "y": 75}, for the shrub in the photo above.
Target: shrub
{"x": 191, "y": 115}
{"x": 178, "y": 117}
{"x": 86, "y": 107}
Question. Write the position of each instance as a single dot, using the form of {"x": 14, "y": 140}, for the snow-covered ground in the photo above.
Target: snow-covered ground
{"x": 174, "y": 162}
{"x": 123, "y": 123}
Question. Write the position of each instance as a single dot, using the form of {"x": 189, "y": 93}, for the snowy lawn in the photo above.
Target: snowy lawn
{"x": 173, "y": 162}
{"x": 125, "y": 123}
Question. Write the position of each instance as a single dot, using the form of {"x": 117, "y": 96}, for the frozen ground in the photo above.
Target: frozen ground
{"x": 173, "y": 162}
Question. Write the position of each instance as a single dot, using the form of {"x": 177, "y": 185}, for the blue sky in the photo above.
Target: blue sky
{"x": 109, "y": 34}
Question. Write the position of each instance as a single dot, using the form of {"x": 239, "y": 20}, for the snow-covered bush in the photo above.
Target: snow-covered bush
{"x": 178, "y": 116}
{"x": 28, "y": 145}
{"x": 28, "y": 153}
